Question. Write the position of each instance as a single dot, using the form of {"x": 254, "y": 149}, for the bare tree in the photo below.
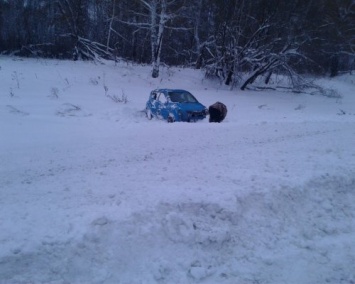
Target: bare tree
{"x": 158, "y": 21}
{"x": 74, "y": 19}
{"x": 256, "y": 39}
{"x": 234, "y": 40}
{"x": 154, "y": 18}
{"x": 199, "y": 15}
{"x": 110, "y": 29}
{"x": 338, "y": 33}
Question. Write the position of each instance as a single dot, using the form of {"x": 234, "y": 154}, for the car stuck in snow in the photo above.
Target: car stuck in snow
{"x": 174, "y": 105}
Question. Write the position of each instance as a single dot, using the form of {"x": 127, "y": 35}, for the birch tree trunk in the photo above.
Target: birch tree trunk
{"x": 199, "y": 47}
{"x": 110, "y": 26}
{"x": 157, "y": 31}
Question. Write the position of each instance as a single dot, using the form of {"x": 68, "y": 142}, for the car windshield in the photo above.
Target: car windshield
{"x": 182, "y": 97}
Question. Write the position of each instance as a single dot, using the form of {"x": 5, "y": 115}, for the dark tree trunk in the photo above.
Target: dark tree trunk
{"x": 229, "y": 77}
{"x": 260, "y": 70}
{"x": 199, "y": 61}
{"x": 250, "y": 80}
{"x": 267, "y": 79}
{"x": 334, "y": 66}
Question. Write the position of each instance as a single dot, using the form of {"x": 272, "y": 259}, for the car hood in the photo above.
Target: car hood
{"x": 190, "y": 106}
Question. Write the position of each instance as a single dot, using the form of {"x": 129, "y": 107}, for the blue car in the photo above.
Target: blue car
{"x": 174, "y": 105}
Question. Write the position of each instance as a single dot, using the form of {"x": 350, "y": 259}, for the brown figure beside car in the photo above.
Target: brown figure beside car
{"x": 217, "y": 112}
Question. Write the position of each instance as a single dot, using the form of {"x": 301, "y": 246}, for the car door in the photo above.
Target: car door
{"x": 161, "y": 106}
{"x": 153, "y": 103}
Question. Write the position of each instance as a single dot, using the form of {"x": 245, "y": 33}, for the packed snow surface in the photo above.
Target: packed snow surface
{"x": 93, "y": 192}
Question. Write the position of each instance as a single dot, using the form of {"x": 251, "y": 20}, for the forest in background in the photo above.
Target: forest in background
{"x": 226, "y": 38}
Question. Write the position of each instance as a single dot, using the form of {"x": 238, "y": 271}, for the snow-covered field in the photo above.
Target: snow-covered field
{"x": 93, "y": 192}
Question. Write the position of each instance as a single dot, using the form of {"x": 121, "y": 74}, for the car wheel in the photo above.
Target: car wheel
{"x": 148, "y": 113}
{"x": 170, "y": 119}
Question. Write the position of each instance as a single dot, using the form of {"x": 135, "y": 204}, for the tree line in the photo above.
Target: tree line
{"x": 225, "y": 37}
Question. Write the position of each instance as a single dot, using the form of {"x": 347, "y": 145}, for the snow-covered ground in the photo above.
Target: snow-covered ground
{"x": 93, "y": 192}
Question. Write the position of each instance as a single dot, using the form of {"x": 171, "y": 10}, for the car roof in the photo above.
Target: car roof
{"x": 170, "y": 90}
